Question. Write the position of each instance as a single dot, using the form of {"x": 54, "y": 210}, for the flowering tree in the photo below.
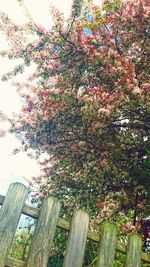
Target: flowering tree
{"x": 87, "y": 104}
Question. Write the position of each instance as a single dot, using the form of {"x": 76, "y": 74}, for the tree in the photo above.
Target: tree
{"x": 87, "y": 104}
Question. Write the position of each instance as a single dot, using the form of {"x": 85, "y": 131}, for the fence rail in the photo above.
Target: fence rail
{"x": 47, "y": 220}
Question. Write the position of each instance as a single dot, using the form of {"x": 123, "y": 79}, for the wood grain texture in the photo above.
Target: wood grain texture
{"x": 134, "y": 251}
{"x": 44, "y": 233}
{"x": 65, "y": 225}
{"x": 107, "y": 245}
{"x": 77, "y": 240}
{"x": 2, "y": 199}
{"x": 10, "y": 262}
{"x": 9, "y": 217}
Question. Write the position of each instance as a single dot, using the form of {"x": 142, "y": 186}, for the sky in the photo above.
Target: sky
{"x": 19, "y": 167}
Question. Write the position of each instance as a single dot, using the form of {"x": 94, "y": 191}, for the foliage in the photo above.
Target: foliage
{"x": 87, "y": 106}
{"x": 58, "y": 249}
{"x": 21, "y": 243}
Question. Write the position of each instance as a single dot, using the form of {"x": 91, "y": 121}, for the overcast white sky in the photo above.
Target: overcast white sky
{"x": 14, "y": 168}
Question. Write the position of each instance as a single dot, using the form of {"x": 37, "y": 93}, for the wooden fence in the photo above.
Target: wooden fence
{"x": 47, "y": 221}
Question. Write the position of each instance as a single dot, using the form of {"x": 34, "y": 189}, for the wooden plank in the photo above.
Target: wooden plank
{"x": 107, "y": 245}
{"x": 1, "y": 199}
{"x": 145, "y": 257}
{"x": 10, "y": 262}
{"x": 44, "y": 233}
{"x": 65, "y": 225}
{"x": 31, "y": 211}
{"x": 9, "y": 217}
{"x": 77, "y": 240}
{"x": 134, "y": 251}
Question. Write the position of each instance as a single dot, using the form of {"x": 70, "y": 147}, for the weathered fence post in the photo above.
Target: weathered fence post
{"x": 47, "y": 219}
{"x": 9, "y": 217}
{"x": 134, "y": 251}
{"x": 107, "y": 245}
{"x": 77, "y": 240}
{"x": 44, "y": 233}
